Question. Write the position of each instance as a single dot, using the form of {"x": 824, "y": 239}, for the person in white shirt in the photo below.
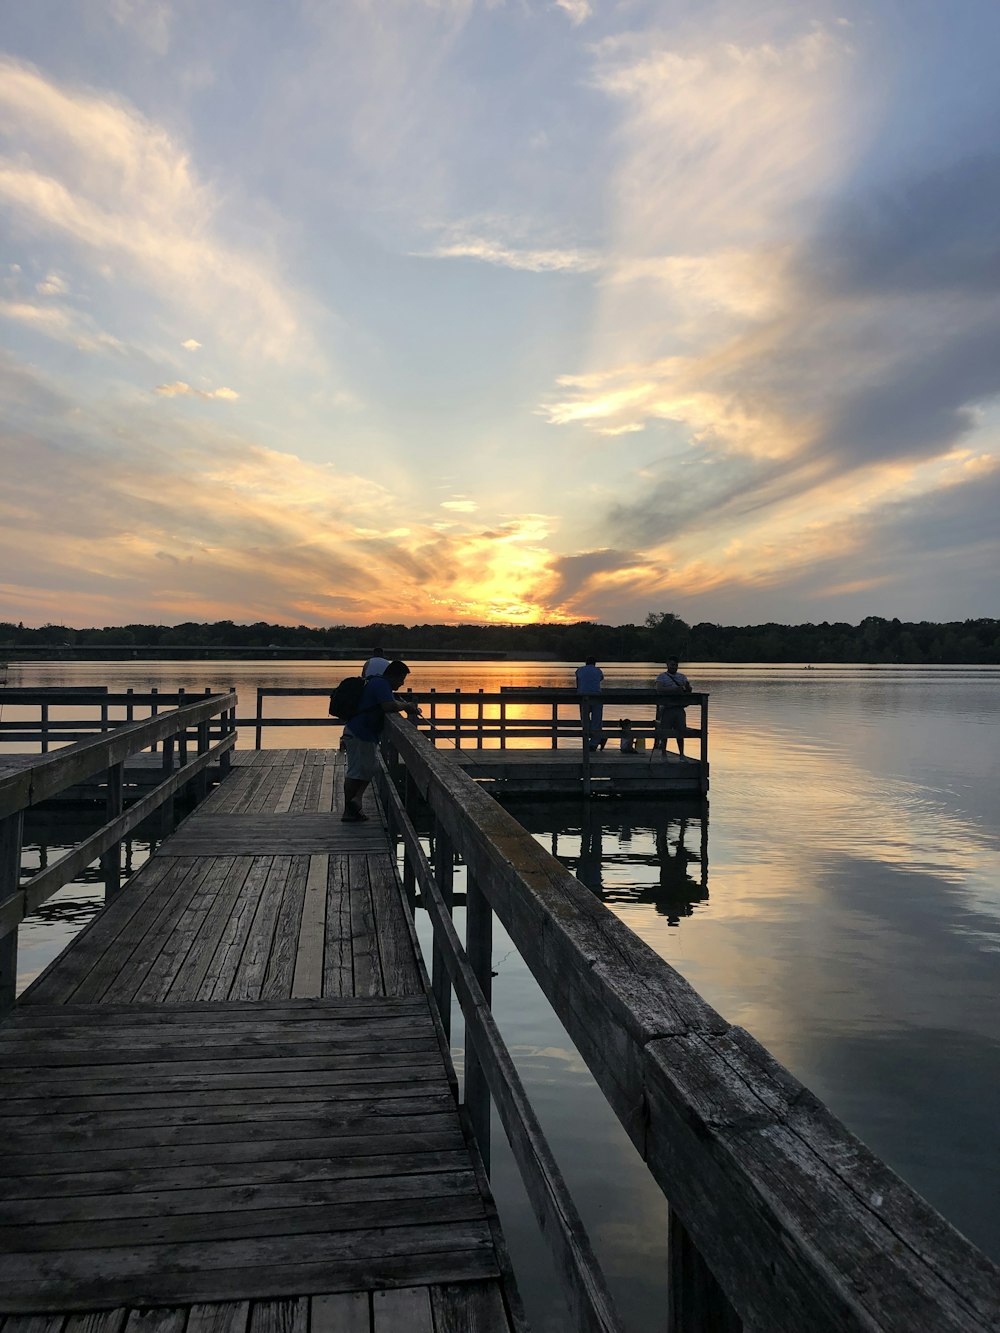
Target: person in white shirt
{"x": 670, "y": 716}
{"x": 588, "y": 681}
{"x": 376, "y": 664}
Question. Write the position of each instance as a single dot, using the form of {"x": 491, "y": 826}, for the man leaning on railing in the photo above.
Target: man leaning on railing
{"x": 362, "y": 732}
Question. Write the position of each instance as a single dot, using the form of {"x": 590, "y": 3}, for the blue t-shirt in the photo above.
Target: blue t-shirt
{"x": 588, "y": 679}
{"x": 368, "y": 723}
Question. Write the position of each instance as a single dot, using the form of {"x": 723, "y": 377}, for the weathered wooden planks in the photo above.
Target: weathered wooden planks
{"x": 116, "y": 1196}
{"x": 276, "y": 834}
{"x": 162, "y": 1146}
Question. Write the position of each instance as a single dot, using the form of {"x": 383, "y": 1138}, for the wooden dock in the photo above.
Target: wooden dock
{"x": 232, "y": 1088}
{"x": 532, "y": 741}
{"x": 230, "y": 1106}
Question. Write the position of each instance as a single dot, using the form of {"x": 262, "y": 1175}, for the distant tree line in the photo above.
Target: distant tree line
{"x": 662, "y": 634}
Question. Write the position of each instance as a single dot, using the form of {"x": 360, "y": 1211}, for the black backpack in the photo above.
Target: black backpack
{"x": 345, "y": 701}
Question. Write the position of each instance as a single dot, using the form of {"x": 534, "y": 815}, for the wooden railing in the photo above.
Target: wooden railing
{"x": 104, "y": 711}
{"x": 780, "y": 1219}
{"x": 104, "y": 756}
{"x": 474, "y": 718}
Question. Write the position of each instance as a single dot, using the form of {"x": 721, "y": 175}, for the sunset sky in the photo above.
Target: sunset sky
{"x": 333, "y": 311}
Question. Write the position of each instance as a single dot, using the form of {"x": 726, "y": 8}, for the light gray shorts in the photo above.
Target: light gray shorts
{"x": 361, "y": 758}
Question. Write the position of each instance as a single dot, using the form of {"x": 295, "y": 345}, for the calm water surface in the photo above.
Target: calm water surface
{"x": 840, "y": 899}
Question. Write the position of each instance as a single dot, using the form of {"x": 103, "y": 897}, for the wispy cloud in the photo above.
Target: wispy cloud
{"x": 53, "y": 285}
{"x": 577, "y": 10}
{"x": 462, "y": 242}
{"x": 181, "y": 390}
{"x": 61, "y": 323}
{"x": 95, "y": 173}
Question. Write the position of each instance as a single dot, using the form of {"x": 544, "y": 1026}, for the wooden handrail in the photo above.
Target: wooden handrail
{"x": 802, "y": 1226}
{"x": 105, "y": 755}
{"x": 45, "y": 883}
{"x": 558, "y": 1219}
{"x": 56, "y": 772}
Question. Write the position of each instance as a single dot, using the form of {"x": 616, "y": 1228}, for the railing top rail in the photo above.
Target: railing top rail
{"x": 801, "y": 1224}
{"x": 12, "y": 693}
{"x": 53, "y": 773}
{"x": 58, "y": 697}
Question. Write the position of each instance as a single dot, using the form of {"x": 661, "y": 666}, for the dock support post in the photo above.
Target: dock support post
{"x": 111, "y": 860}
{"x": 704, "y": 745}
{"x": 259, "y": 719}
{"x": 479, "y": 947}
{"x": 45, "y": 727}
{"x": 695, "y": 1301}
{"x": 585, "y": 717}
{"x": 444, "y": 873}
{"x": 11, "y": 830}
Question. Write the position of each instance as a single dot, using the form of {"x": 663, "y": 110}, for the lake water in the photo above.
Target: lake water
{"x": 840, "y": 899}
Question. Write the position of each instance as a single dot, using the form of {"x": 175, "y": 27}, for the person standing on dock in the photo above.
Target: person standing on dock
{"x": 588, "y": 681}
{"x": 362, "y": 732}
{"x": 376, "y": 664}
{"x": 670, "y": 716}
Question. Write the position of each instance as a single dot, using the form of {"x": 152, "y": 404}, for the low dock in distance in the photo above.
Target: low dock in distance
{"x": 230, "y": 1106}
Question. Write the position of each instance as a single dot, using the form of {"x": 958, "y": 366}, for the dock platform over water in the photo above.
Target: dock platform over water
{"x": 229, "y": 1106}
{"x": 232, "y": 1088}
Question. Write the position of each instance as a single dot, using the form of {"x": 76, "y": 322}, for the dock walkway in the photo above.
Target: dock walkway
{"x": 232, "y": 1100}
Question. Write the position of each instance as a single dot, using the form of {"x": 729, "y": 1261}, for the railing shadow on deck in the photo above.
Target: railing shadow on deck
{"x": 780, "y": 1219}
{"x": 103, "y": 758}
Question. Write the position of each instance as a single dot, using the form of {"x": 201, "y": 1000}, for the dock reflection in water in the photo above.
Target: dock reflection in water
{"x": 628, "y": 851}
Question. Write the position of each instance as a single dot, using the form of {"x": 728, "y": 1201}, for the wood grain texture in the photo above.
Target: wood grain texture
{"x": 119, "y": 1197}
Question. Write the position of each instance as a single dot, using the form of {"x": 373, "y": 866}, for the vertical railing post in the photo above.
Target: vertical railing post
{"x": 695, "y": 1301}
{"x": 201, "y": 779}
{"x": 479, "y": 720}
{"x": 167, "y": 808}
{"x": 182, "y": 736}
{"x": 130, "y": 706}
{"x": 44, "y": 727}
{"x": 503, "y": 724}
{"x": 458, "y": 719}
{"x": 153, "y": 709}
{"x": 259, "y": 719}
{"x": 433, "y": 717}
{"x": 227, "y": 729}
{"x": 555, "y": 724}
{"x": 11, "y": 830}
{"x": 409, "y": 874}
{"x": 444, "y": 873}
{"x": 104, "y": 718}
{"x": 479, "y": 947}
{"x": 111, "y": 860}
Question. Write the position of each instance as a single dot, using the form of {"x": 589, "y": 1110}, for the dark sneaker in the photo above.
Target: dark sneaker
{"x": 353, "y": 817}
